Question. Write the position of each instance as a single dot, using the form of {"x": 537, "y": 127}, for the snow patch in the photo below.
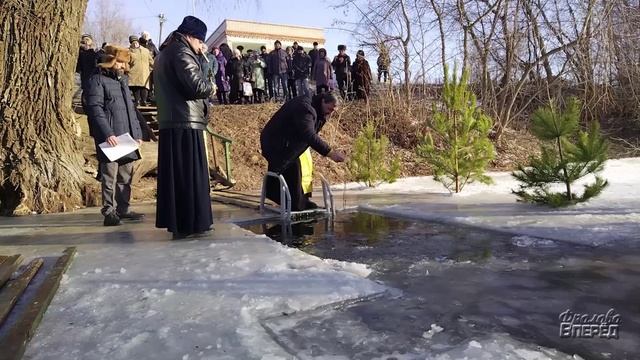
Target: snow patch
{"x": 431, "y": 332}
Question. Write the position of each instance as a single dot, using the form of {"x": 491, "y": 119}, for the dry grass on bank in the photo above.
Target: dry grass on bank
{"x": 243, "y": 123}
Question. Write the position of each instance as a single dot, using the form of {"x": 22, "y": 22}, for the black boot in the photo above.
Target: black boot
{"x": 112, "y": 220}
{"x": 131, "y": 215}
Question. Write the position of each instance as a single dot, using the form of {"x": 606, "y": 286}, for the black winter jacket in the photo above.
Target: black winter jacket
{"x": 341, "y": 64}
{"x": 301, "y": 66}
{"x": 86, "y": 65}
{"x": 291, "y": 130}
{"x": 277, "y": 63}
{"x": 180, "y": 86}
{"x": 111, "y": 111}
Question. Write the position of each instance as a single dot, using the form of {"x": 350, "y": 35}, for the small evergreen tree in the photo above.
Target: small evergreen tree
{"x": 568, "y": 154}
{"x": 370, "y": 162}
{"x": 458, "y": 147}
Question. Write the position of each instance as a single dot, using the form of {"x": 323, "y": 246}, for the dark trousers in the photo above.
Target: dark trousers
{"x": 140, "y": 94}
{"x": 257, "y": 96}
{"x": 116, "y": 187}
{"x": 342, "y": 84}
{"x": 269, "y": 81}
{"x": 184, "y": 200}
{"x": 291, "y": 86}
{"x": 151, "y": 94}
{"x": 223, "y": 98}
{"x": 280, "y": 82}
{"x": 383, "y": 72}
{"x": 293, "y": 176}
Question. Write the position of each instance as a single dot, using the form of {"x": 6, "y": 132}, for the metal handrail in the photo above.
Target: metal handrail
{"x": 227, "y": 153}
{"x": 327, "y": 194}
{"x": 285, "y": 198}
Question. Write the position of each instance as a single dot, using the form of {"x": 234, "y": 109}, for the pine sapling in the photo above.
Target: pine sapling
{"x": 567, "y": 155}
{"x": 370, "y": 162}
{"x": 457, "y": 146}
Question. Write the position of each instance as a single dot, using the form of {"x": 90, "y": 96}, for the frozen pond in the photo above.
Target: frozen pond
{"x": 460, "y": 291}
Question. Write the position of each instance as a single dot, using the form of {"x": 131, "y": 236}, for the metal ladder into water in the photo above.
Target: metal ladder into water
{"x": 285, "y": 201}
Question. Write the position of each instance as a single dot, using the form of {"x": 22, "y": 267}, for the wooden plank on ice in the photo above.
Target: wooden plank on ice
{"x": 10, "y": 293}
{"x": 8, "y": 266}
{"x": 18, "y": 335}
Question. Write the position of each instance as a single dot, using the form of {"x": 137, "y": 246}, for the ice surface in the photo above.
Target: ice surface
{"x": 501, "y": 347}
{"x": 168, "y": 304}
{"x": 611, "y": 217}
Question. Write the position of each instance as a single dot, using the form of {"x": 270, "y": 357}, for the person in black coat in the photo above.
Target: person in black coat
{"x": 291, "y": 130}
{"x": 342, "y": 67}
{"x": 111, "y": 113}
{"x": 235, "y": 72}
{"x": 146, "y": 41}
{"x": 86, "y": 65}
{"x": 184, "y": 202}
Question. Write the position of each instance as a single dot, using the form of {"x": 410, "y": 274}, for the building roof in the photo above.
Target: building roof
{"x": 267, "y": 31}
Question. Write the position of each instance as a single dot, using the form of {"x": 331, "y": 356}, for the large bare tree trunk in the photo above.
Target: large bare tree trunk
{"x": 40, "y": 165}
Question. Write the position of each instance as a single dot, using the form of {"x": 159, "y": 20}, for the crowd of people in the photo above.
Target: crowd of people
{"x": 183, "y": 76}
{"x": 255, "y": 76}
{"x": 251, "y": 76}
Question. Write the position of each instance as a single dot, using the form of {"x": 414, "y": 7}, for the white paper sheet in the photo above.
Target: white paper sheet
{"x": 126, "y": 145}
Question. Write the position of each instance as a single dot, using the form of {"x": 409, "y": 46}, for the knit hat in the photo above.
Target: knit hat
{"x": 112, "y": 54}
{"x": 145, "y": 34}
{"x": 193, "y": 26}
{"x": 85, "y": 36}
{"x": 360, "y": 52}
{"x": 133, "y": 38}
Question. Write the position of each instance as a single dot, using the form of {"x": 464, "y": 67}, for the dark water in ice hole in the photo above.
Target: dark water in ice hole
{"x": 471, "y": 282}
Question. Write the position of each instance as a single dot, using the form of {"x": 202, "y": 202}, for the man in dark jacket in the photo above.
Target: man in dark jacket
{"x": 342, "y": 67}
{"x": 85, "y": 65}
{"x": 264, "y": 55}
{"x": 209, "y": 65}
{"x": 302, "y": 71}
{"x": 314, "y": 55}
{"x": 147, "y": 42}
{"x": 111, "y": 113}
{"x": 291, "y": 130}
{"x": 182, "y": 90}
{"x": 87, "y": 60}
{"x": 278, "y": 69}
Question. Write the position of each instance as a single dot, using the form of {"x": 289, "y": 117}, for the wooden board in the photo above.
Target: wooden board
{"x": 8, "y": 266}
{"x": 12, "y": 290}
{"x": 15, "y": 341}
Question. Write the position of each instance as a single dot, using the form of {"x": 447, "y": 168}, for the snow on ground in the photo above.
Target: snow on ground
{"x": 613, "y": 216}
{"x": 185, "y": 300}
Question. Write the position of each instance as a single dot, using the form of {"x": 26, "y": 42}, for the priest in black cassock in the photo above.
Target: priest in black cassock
{"x": 182, "y": 93}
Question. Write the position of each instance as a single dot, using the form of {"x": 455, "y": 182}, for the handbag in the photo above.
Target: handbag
{"x": 247, "y": 90}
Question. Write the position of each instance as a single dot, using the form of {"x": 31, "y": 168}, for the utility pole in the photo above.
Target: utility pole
{"x": 162, "y": 20}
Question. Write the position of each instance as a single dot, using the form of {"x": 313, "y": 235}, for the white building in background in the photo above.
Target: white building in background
{"x": 252, "y": 35}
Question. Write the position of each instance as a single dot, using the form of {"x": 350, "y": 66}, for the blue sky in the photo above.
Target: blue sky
{"x": 315, "y": 13}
